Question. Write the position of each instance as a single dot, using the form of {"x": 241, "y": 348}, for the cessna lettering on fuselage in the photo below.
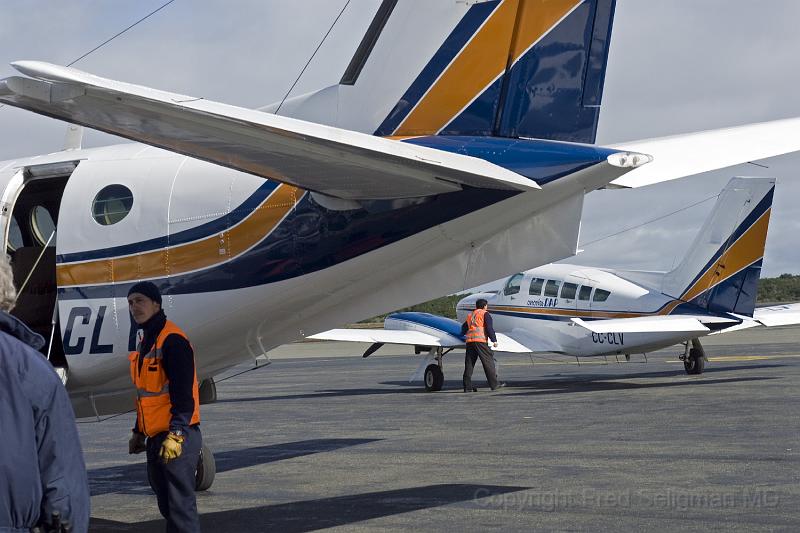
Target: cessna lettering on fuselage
{"x": 545, "y": 302}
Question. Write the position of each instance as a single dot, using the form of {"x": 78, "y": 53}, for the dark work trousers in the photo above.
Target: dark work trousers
{"x": 474, "y": 351}
{"x": 174, "y": 481}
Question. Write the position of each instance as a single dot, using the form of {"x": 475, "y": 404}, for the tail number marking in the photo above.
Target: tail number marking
{"x": 608, "y": 338}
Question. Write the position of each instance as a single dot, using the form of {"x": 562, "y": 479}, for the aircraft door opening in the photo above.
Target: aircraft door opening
{"x": 30, "y": 210}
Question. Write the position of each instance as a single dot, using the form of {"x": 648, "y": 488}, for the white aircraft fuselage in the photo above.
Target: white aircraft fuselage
{"x": 538, "y": 306}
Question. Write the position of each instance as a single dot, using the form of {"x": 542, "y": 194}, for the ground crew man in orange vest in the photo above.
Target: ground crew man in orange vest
{"x": 167, "y": 408}
{"x": 477, "y": 328}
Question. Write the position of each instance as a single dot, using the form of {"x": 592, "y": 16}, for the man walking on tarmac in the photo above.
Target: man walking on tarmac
{"x": 167, "y": 408}
{"x": 43, "y": 484}
{"x": 477, "y": 328}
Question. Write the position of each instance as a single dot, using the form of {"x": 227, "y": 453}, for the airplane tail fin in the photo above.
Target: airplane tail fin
{"x": 507, "y": 68}
{"x": 721, "y": 269}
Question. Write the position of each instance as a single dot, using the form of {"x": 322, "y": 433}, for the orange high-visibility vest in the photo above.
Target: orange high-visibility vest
{"x": 152, "y": 386}
{"x": 476, "y": 332}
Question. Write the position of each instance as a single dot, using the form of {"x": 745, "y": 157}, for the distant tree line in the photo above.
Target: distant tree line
{"x": 784, "y": 288}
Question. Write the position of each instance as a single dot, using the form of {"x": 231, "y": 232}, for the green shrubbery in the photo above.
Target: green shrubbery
{"x": 784, "y": 288}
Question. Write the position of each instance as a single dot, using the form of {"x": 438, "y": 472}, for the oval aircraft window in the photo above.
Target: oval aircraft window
{"x": 43, "y": 226}
{"x": 15, "y": 235}
{"x": 112, "y": 204}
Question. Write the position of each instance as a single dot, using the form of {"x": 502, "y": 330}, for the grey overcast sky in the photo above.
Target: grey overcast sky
{"x": 674, "y": 67}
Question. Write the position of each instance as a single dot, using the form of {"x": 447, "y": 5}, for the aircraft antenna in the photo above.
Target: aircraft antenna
{"x": 312, "y": 56}
{"x": 99, "y": 46}
{"x": 713, "y": 196}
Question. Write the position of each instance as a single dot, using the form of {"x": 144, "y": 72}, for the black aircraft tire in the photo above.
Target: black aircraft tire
{"x": 694, "y": 364}
{"x": 434, "y": 378}
{"x": 206, "y": 470}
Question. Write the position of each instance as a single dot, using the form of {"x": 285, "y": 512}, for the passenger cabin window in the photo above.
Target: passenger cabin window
{"x": 512, "y": 287}
{"x": 551, "y": 289}
{"x": 112, "y": 204}
{"x": 43, "y": 226}
{"x": 15, "y": 235}
{"x": 568, "y": 291}
{"x": 536, "y": 287}
{"x": 585, "y": 293}
{"x": 600, "y": 295}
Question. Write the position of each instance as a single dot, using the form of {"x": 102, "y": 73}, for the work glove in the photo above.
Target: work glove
{"x": 55, "y": 525}
{"x": 172, "y": 447}
{"x": 137, "y": 443}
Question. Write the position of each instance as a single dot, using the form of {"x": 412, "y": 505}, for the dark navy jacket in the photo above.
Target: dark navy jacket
{"x": 41, "y": 463}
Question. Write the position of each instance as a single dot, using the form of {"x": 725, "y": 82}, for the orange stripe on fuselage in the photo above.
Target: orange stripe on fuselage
{"x": 748, "y": 249}
{"x": 190, "y": 256}
{"x": 566, "y": 312}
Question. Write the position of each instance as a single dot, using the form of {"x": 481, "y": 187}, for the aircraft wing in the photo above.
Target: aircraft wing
{"x": 412, "y": 338}
{"x": 388, "y": 336}
{"x": 333, "y": 161}
{"x": 684, "y": 155}
{"x": 649, "y": 324}
{"x": 778, "y": 315}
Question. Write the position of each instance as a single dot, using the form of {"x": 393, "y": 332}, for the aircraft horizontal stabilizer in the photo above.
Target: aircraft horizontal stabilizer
{"x": 678, "y": 156}
{"x": 644, "y": 325}
{"x": 778, "y": 315}
{"x": 332, "y": 161}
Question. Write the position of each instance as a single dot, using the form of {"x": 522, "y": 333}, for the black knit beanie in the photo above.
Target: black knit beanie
{"x": 147, "y": 288}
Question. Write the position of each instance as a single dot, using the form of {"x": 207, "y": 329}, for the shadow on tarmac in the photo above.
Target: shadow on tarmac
{"x": 562, "y": 384}
{"x": 132, "y": 479}
{"x": 323, "y": 513}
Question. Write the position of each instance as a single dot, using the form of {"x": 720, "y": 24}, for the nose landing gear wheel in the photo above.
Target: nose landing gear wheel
{"x": 434, "y": 378}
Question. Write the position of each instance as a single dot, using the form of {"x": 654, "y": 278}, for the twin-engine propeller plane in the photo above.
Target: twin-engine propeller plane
{"x": 591, "y": 312}
{"x": 458, "y": 131}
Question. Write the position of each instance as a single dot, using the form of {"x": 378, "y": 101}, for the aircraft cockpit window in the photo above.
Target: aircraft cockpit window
{"x": 585, "y": 292}
{"x": 536, "y": 287}
{"x": 568, "y": 291}
{"x": 600, "y": 295}
{"x": 43, "y": 226}
{"x": 112, "y": 204}
{"x": 512, "y": 287}
{"x": 551, "y": 289}
{"x": 14, "y": 235}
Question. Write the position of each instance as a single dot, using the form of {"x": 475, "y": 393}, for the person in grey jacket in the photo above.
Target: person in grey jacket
{"x": 43, "y": 480}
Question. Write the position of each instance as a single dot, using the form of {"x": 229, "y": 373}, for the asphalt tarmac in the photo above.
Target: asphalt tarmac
{"x": 322, "y": 438}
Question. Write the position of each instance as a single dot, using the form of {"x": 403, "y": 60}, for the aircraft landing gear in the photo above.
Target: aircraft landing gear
{"x": 203, "y": 476}
{"x": 434, "y": 378}
{"x": 430, "y": 369}
{"x": 694, "y": 358}
{"x": 206, "y": 470}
